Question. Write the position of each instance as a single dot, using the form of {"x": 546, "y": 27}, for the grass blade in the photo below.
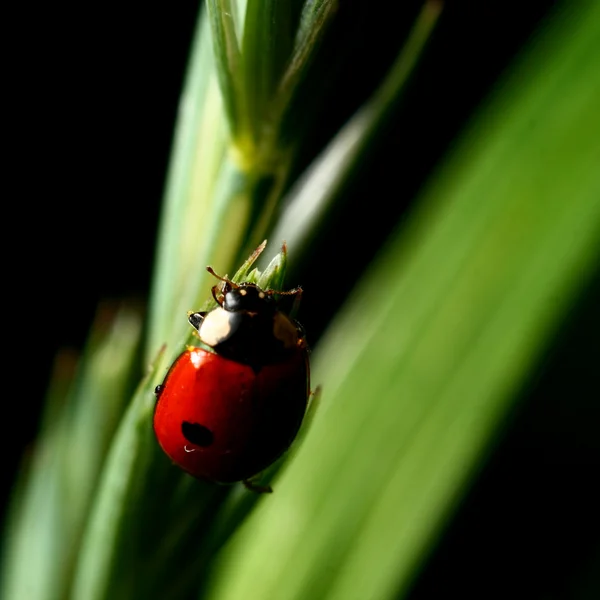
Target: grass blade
{"x": 313, "y": 196}
{"x": 52, "y": 501}
{"x": 223, "y": 15}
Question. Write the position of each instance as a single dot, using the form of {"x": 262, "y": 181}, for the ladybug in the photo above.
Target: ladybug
{"x": 227, "y": 412}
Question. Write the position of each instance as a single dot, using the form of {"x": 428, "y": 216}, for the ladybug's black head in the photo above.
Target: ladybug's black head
{"x": 247, "y": 297}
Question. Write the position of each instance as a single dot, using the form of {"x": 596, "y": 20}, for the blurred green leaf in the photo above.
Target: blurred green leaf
{"x": 52, "y": 501}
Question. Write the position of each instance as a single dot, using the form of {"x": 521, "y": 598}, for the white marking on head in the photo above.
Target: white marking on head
{"x": 261, "y": 295}
{"x": 243, "y": 292}
{"x": 215, "y": 327}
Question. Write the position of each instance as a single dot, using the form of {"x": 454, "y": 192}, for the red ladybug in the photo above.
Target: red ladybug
{"x": 227, "y": 414}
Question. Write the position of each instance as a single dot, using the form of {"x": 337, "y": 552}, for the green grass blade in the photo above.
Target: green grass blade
{"x": 53, "y": 499}
{"x": 217, "y": 183}
{"x": 315, "y": 194}
{"x": 267, "y": 42}
{"x": 422, "y": 366}
{"x": 223, "y": 16}
{"x": 313, "y": 24}
{"x": 198, "y": 149}
{"x": 105, "y": 553}
{"x": 314, "y": 14}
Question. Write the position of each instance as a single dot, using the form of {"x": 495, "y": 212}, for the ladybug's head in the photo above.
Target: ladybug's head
{"x": 246, "y": 296}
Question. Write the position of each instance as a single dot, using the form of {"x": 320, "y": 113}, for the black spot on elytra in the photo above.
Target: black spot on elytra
{"x": 197, "y": 434}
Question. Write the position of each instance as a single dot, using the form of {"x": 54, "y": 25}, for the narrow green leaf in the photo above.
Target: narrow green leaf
{"x": 314, "y": 19}
{"x": 104, "y": 548}
{"x": 314, "y": 194}
{"x": 268, "y": 36}
{"x": 198, "y": 149}
{"x": 57, "y": 486}
{"x": 223, "y": 16}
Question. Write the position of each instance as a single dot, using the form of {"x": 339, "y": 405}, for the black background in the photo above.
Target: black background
{"x": 96, "y": 93}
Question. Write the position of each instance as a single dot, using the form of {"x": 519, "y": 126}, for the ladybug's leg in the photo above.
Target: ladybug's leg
{"x": 301, "y": 334}
{"x": 217, "y": 295}
{"x": 159, "y": 388}
{"x": 297, "y": 297}
{"x": 296, "y": 292}
{"x": 314, "y": 401}
{"x": 257, "y": 489}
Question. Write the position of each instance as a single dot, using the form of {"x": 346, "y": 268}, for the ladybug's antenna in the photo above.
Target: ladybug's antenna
{"x": 225, "y": 279}
{"x": 297, "y": 291}
{"x": 217, "y": 293}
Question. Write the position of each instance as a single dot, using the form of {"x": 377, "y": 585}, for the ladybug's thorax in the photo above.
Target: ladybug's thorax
{"x": 248, "y": 327}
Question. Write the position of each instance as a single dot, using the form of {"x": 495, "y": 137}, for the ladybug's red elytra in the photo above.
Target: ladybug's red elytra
{"x": 226, "y": 414}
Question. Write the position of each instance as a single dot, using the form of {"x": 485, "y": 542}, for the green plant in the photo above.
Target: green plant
{"x": 419, "y": 368}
